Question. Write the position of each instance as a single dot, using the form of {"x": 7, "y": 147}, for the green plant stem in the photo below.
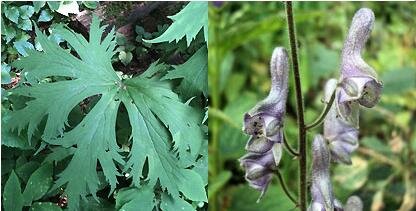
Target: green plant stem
{"x": 288, "y": 147}
{"x": 299, "y": 109}
{"x": 322, "y": 116}
{"x": 284, "y": 187}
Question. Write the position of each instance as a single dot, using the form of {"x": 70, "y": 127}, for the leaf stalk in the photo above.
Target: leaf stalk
{"x": 288, "y": 147}
{"x": 284, "y": 187}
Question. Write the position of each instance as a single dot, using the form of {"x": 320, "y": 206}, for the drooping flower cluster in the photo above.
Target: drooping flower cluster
{"x": 264, "y": 124}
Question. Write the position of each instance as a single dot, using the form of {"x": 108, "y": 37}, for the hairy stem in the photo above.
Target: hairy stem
{"x": 288, "y": 147}
{"x": 284, "y": 187}
{"x": 322, "y": 116}
{"x": 299, "y": 109}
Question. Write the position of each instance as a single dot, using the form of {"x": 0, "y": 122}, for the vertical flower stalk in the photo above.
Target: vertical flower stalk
{"x": 264, "y": 124}
{"x": 299, "y": 108}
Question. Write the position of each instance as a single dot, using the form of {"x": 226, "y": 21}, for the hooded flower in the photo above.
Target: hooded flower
{"x": 359, "y": 84}
{"x": 322, "y": 196}
{"x": 341, "y": 136}
{"x": 264, "y": 124}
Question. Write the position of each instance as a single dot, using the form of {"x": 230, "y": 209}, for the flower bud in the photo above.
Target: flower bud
{"x": 354, "y": 203}
{"x": 321, "y": 189}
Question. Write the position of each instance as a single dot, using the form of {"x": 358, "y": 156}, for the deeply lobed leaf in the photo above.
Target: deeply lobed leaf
{"x": 186, "y": 23}
{"x": 156, "y": 114}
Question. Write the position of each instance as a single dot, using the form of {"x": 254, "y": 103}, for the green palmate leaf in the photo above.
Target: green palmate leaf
{"x": 148, "y": 136}
{"x": 201, "y": 167}
{"x": 90, "y": 4}
{"x": 44, "y": 206}
{"x": 8, "y": 31}
{"x": 12, "y": 195}
{"x": 22, "y": 45}
{"x": 25, "y": 24}
{"x": 156, "y": 114}
{"x": 38, "y": 5}
{"x": 26, "y": 11}
{"x": 38, "y": 184}
{"x": 169, "y": 203}
{"x": 12, "y": 14}
{"x": 45, "y": 16}
{"x": 187, "y": 23}
{"x": 132, "y": 198}
{"x": 54, "y": 5}
{"x": 194, "y": 74}
{"x": 191, "y": 185}
{"x": 12, "y": 140}
{"x": 24, "y": 171}
{"x": 5, "y": 74}
{"x": 59, "y": 153}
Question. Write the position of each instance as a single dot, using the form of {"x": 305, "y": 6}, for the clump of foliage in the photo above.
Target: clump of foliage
{"x": 87, "y": 136}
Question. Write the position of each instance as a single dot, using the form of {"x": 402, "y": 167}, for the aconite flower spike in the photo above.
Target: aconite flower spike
{"x": 341, "y": 136}
{"x": 264, "y": 124}
{"x": 359, "y": 81}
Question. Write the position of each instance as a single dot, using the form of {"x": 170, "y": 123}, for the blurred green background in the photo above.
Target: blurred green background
{"x": 242, "y": 36}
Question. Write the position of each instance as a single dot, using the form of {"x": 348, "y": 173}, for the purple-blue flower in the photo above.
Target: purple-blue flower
{"x": 264, "y": 124}
{"x": 323, "y": 198}
{"x": 342, "y": 137}
{"x": 359, "y": 83}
